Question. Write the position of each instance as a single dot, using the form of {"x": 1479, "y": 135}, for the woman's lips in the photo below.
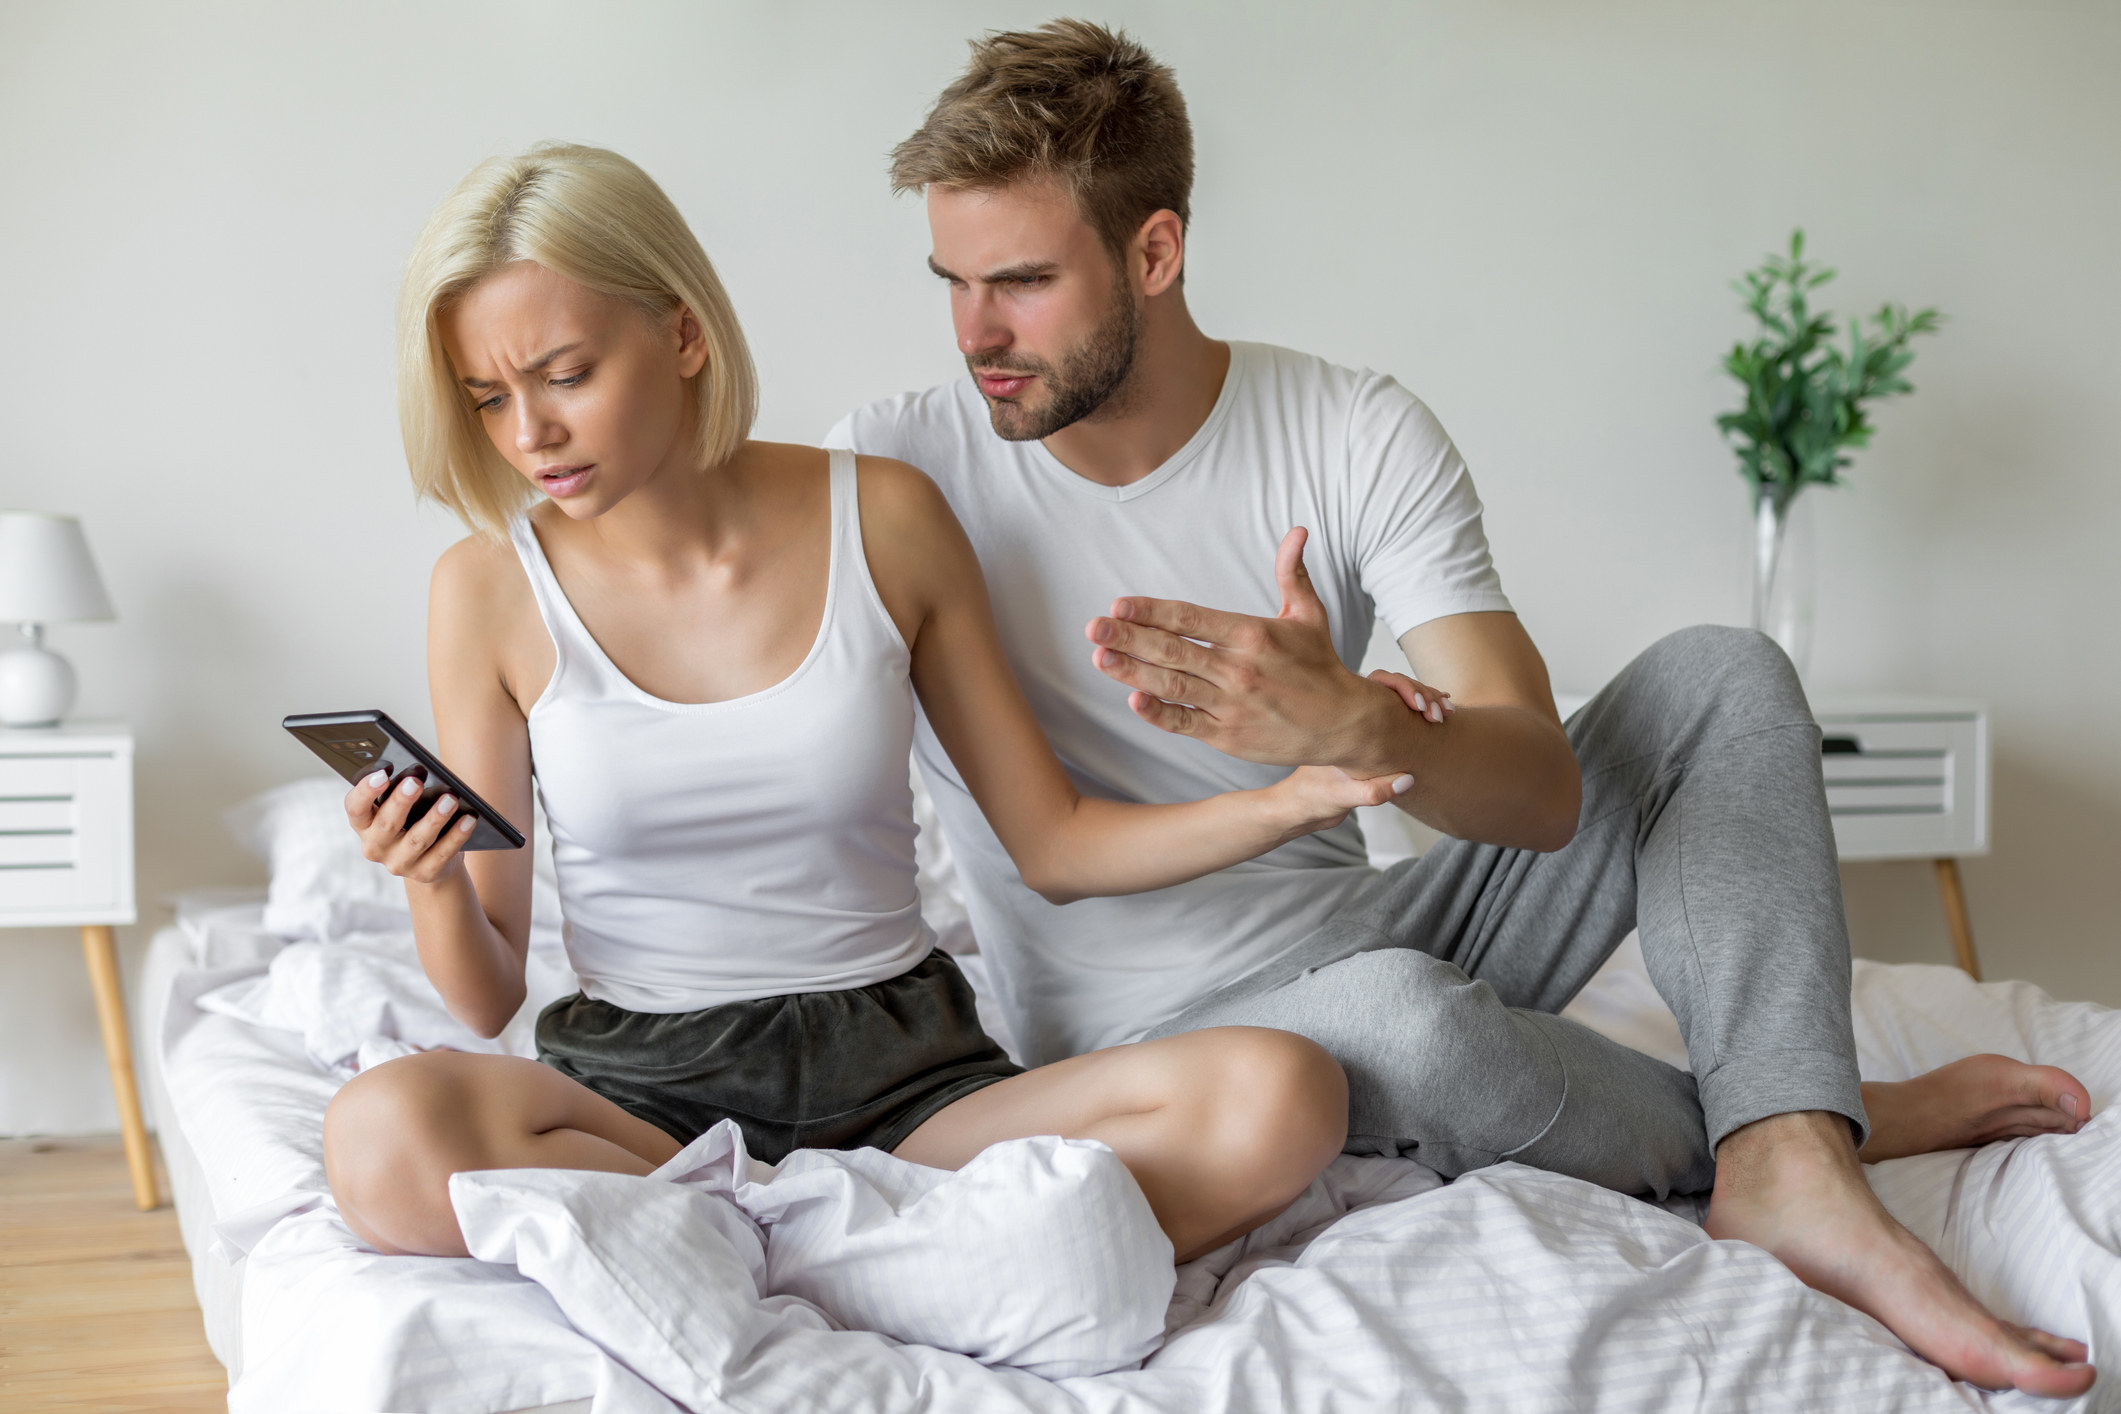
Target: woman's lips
{"x": 1003, "y": 385}
{"x": 559, "y": 481}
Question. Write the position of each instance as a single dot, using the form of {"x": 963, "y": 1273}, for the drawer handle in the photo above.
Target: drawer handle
{"x": 1840, "y": 746}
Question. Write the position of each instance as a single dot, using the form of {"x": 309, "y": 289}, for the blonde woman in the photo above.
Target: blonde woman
{"x": 703, "y": 652}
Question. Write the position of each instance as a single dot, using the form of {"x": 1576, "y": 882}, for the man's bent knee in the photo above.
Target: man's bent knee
{"x": 1719, "y": 658}
{"x": 1691, "y": 686}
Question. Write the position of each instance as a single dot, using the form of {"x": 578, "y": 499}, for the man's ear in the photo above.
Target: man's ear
{"x": 1160, "y": 245}
{"x": 692, "y": 342}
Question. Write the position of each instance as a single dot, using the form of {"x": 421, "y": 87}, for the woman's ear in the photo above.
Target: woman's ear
{"x": 692, "y": 343}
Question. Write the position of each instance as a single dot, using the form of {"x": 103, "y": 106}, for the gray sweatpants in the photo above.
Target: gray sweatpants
{"x": 1705, "y": 826}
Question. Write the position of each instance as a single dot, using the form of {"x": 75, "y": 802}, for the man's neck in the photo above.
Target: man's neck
{"x": 1178, "y": 375}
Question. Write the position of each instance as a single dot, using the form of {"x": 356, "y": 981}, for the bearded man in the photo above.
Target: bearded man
{"x": 1224, "y": 521}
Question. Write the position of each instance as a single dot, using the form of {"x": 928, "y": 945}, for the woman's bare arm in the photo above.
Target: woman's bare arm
{"x": 470, "y": 912}
{"x": 1065, "y": 845}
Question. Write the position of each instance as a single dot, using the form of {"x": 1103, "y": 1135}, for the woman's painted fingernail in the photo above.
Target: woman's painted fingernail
{"x": 464, "y": 825}
{"x": 1402, "y": 784}
{"x": 375, "y": 782}
{"x": 446, "y": 804}
{"x": 411, "y": 786}
{"x": 1419, "y": 704}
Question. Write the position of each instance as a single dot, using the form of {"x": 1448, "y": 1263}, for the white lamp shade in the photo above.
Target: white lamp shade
{"x": 46, "y": 573}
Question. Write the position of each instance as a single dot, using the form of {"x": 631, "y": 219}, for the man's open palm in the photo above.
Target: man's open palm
{"x": 1267, "y": 690}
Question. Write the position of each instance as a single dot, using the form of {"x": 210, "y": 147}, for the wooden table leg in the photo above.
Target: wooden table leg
{"x": 1955, "y": 916}
{"x": 101, "y": 950}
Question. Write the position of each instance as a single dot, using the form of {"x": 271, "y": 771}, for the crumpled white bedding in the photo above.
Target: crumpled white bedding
{"x": 1040, "y": 1254}
{"x": 1382, "y": 1288}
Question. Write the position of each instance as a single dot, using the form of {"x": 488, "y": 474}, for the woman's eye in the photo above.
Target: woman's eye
{"x": 570, "y": 380}
{"x": 488, "y": 405}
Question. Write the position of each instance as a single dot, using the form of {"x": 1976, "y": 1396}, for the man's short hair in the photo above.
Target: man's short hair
{"x": 1072, "y": 101}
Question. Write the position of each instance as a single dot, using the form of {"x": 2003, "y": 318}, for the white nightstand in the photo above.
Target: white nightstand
{"x": 1907, "y": 778}
{"x": 66, "y": 858}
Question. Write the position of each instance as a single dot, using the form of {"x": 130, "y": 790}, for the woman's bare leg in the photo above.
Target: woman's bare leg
{"x": 1222, "y": 1128}
{"x": 394, "y": 1135}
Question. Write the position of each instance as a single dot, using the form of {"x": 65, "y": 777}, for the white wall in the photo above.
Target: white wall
{"x": 1527, "y": 211}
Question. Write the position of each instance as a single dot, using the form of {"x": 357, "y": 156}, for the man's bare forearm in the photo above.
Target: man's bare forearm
{"x": 1496, "y": 775}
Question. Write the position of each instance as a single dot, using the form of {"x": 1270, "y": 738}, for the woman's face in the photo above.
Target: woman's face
{"x": 582, "y": 393}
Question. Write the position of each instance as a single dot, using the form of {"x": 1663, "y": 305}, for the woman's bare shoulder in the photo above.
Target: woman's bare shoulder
{"x": 483, "y": 624}
{"x": 902, "y": 495}
{"x": 479, "y": 574}
{"x": 919, "y": 556}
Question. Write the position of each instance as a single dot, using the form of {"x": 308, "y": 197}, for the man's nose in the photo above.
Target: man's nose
{"x": 979, "y": 329}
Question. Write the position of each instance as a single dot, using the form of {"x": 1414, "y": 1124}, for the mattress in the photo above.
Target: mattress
{"x": 1507, "y": 1289}
{"x": 219, "y": 1284}
{"x": 221, "y": 926}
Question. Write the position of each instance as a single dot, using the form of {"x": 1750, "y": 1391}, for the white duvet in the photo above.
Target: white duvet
{"x": 717, "y": 1285}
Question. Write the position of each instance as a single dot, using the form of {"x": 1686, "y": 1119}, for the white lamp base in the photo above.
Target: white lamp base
{"x": 36, "y": 686}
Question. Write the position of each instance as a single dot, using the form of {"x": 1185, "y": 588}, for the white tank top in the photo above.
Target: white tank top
{"x": 719, "y": 851}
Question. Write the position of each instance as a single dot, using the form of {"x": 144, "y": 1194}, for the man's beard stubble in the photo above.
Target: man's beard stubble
{"x": 1092, "y": 378}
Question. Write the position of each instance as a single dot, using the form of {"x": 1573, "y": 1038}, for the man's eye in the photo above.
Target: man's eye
{"x": 1031, "y": 282}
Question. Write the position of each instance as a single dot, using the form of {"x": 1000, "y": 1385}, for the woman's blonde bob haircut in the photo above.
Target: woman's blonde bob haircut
{"x": 602, "y": 222}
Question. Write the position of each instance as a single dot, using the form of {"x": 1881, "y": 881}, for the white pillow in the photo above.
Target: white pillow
{"x": 323, "y": 887}
{"x": 1040, "y": 1255}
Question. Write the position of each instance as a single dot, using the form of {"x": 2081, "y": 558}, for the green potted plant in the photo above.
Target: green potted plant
{"x": 1806, "y": 409}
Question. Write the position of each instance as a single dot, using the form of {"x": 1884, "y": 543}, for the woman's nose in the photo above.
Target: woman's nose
{"x": 536, "y": 429}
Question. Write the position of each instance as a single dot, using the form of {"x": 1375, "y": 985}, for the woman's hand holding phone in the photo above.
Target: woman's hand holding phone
{"x": 425, "y": 852}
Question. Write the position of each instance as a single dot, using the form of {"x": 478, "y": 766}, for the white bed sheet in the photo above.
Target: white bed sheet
{"x": 1510, "y": 1289}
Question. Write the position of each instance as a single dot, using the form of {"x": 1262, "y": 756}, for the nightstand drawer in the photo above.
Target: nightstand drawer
{"x": 1905, "y": 785}
{"x": 36, "y": 814}
{"x": 65, "y": 834}
{"x": 38, "y": 777}
{"x": 38, "y": 849}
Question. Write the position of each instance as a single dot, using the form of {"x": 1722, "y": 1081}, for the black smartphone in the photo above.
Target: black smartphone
{"x": 359, "y": 744}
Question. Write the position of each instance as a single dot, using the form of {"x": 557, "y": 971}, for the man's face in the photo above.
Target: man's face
{"x": 1047, "y": 323}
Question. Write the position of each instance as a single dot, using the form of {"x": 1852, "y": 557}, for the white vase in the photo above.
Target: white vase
{"x": 1784, "y": 573}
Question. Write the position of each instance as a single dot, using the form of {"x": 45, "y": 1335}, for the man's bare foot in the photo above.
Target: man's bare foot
{"x": 1969, "y": 1102}
{"x": 1793, "y": 1185}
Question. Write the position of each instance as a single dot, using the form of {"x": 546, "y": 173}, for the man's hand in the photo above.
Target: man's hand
{"x": 1267, "y": 690}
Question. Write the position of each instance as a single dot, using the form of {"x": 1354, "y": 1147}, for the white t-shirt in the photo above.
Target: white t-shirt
{"x": 1292, "y": 440}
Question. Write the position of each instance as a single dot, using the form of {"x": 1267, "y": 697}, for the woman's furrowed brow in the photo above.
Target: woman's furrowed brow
{"x": 536, "y": 365}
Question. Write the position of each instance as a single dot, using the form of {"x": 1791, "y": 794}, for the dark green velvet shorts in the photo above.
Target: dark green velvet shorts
{"x": 853, "y": 1069}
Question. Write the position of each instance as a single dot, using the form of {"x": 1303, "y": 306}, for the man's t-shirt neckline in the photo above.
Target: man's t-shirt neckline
{"x": 1055, "y": 469}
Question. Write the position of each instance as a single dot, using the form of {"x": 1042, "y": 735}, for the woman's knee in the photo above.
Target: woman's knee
{"x": 392, "y": 1137}
{"x": 1278, "y": 1100}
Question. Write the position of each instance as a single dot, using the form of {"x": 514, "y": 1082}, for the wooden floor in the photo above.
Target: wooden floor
{"x": 96, "y": 1304}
